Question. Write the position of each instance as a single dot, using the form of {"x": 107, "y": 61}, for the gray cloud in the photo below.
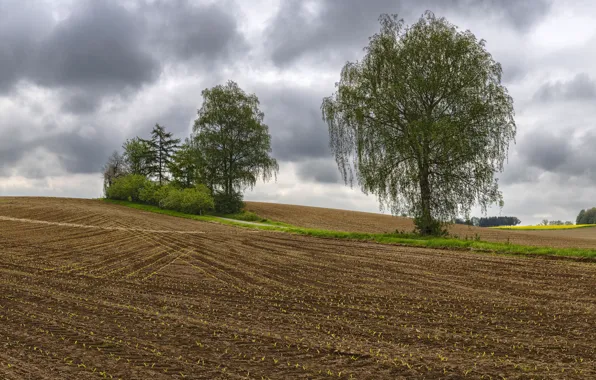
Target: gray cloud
{"x": 103, "y": 48}
{"x": 81, "y": 151}
{"x": 346, "y": 24}
{"x": 321, "y": 171}
{"x": 188, "y": 31}
{"x": 546, "y": 151}
{"x": 581, "y": 87}
{"x": 560, "y": 154}
{"x": 20, "y": 31}
{"x": 80, "y": 103}
{"x": 294, "y": 119}
{"x": 99, "y": 48}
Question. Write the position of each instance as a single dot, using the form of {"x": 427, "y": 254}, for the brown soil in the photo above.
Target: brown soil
{"x": 354, "y": 221}
{"x": 231, "y": 303}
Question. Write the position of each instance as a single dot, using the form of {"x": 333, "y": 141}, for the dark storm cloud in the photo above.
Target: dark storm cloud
{"x": 546, "y": 151}
{"x": 581, "y": 87}
{"x": 346, "y": 24}
{"x": 177, "y": 119}
{"x": 80, "y": 103}
{"x": 98, "y": 48}
{"x": 77, "y": 152}
{"x": 563, "y": 154}
{"x": 294, "y": 119}
{"x": 98, "y": 51}
{"x": 186, "y": 31}
{"x": 21, "y": 25}
{"x": 102, "y": 48}
{"x": 320, "y": 171}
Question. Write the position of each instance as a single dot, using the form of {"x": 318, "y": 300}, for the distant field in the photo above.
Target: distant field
{"x": 354, "y": 221}
{"x": 92, "y": 290}
{"x": 544, "y": 228}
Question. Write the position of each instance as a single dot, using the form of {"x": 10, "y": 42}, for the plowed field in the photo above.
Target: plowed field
{"x": 353, "y": 221}
{"x": 91, "y": 290}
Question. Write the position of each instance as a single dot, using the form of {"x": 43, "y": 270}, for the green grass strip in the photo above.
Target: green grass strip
{"x": 401, "y": 239}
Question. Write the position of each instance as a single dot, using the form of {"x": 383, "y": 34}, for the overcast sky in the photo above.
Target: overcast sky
{"x": 79, "y": 77}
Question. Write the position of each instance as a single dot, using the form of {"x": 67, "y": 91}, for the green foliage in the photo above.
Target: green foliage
{"x": 183, "y": 165}
{"x": 153, "y": 193}
{"x": 113, "y": 169}
{"x": 233, "y": 144}
{"x": 228, "y": 203}
{"x": 495, "y": 221}
{"x": 136, "y": 152}
{"x": 196, "y": 200}
{"x": 580, "y": 217}
{"x": 161, "y": 148}
{"x": 587, "y": 216}
{"x": 127, "y": 188}
{"x": 422, "y": 121}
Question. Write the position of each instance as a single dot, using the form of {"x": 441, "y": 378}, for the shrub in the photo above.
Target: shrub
{"x": 127, "y": 188}
{"x": 147, "y": 193}
{"x": 228, "y": 204}
{"x": 190, "y": 201}
{"x": 154, "y": 193}
{"x": 172, "y": 201}
{"x": 195, "y": 201}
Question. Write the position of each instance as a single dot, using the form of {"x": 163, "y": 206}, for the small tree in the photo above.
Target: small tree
{"x": 183, "y": 165}
{"x": 580, "y": 217}
{"x": 233, "y": 143}
{"x": 113, "y": 169}
{"x": 136, "y": 152}
{"x": 162, "y": 146}
{"x": 423, "y": 121}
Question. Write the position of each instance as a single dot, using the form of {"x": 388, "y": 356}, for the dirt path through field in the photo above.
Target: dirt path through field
{"x": 250, "y": 223}
{"x": 62, "y": 224}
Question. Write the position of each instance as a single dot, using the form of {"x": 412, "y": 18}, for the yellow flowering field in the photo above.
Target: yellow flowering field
{"x": 560, "y": 227}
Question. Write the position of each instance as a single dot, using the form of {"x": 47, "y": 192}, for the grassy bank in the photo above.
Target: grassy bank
{"x": 401, "y": 239}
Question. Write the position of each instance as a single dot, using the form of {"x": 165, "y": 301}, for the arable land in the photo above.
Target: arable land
{"x": 343, "y": 220}
{"x": 93, "y": 290}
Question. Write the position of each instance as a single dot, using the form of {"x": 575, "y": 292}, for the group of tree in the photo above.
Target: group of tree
{"x": 227, "y": 151}
{"x": 422, "y": 121}
{"x": 491, "y": 221}
{"x": 586, "y": 216}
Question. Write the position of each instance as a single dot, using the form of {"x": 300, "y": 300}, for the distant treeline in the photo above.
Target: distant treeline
{"x": 491, "y": 221}
{"x": 586, "y": 216}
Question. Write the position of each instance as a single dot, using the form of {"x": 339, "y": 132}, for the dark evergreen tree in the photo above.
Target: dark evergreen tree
{"x": 161, "y": 148}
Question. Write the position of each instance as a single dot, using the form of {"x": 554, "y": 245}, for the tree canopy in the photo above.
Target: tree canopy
{"x": 183, "y": 165}
{"x": 113, "y": 169}
{"x": 233, "y": 144}
{"x": 422, "y": 121}
{"x": 136, "y": 152}
{"x": 586, "y": 216}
